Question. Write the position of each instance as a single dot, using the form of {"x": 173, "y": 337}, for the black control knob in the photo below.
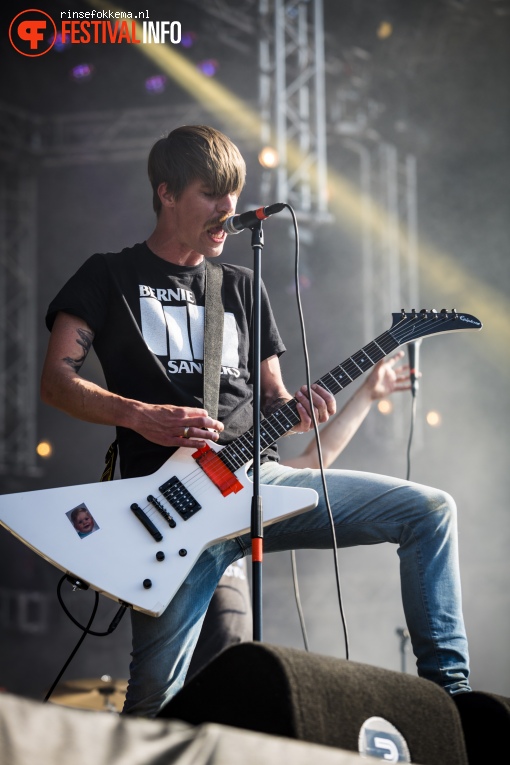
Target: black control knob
{"x": 160, "y": 555}
{"x": 183, "y": 553}
{"x": 147, "y": 584}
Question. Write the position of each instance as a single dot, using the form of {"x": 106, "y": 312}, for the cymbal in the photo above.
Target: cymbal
{"x": 101, "y": 694}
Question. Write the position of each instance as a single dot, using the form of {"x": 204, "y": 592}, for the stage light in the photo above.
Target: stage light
{"x": 434, "y": 419}
{"x": 82, "y": 72}
{"x": 268, "y": 157}
{"x": 188, "y": 39}
{"x": 209, "y": 67}
{"x": 385, "y": 30}
{"x": 155, "y": 84}
{"x": 385, "y": 406}
{"x": 44, "y": 449}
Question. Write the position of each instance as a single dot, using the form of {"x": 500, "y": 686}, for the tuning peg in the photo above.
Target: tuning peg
{"x": 413, "y": 313}
{"x": 423, "y": 313}
{"x": 403, "y": 313}
{"x": 444, "y": 313}
{"x": 434, "y": 313}
{"x": 454, "y": 313}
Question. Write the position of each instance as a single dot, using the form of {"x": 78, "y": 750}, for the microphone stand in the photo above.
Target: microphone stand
{"x": 257, "y": 531}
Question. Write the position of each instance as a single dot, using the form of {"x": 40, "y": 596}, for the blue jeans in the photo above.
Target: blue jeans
{"x": 367, "y": 509}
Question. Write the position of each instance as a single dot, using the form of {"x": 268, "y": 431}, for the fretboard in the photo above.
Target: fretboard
{"x": 239, "y": 452}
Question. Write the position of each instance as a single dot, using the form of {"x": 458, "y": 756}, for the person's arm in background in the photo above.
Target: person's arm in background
{"x": 386, "y": 378}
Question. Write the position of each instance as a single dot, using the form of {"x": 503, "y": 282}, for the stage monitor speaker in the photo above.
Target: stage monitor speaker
{"x": 485, "y": 719}
{"x": 323, "y": 700}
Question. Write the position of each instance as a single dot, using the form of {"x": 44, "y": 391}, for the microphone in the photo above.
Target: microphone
{"x": 414, "y": 364}
{"x": 237, "y": 223}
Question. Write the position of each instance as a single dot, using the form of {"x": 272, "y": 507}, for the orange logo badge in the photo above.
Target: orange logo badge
{"x": 32, "y": 33}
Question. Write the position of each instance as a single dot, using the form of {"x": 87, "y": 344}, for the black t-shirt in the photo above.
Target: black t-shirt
{"x": 148, "y": 319}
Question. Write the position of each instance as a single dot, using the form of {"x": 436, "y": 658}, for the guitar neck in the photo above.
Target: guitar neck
{"x": 239, "y": 452}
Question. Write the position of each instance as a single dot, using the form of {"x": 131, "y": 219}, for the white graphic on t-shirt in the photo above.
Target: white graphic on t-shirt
{"x": 177, "y": 333}
{"x": 197, "y": 317}
{"x": 178, "y": 338}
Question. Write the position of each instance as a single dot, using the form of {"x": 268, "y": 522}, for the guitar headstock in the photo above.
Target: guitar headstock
{"x": 410, "y": 326}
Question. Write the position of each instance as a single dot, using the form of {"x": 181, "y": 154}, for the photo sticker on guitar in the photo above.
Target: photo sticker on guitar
{"x": 82, "y": 520}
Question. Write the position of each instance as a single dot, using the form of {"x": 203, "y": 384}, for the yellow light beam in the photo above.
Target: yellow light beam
{"x": 440, "y": 274}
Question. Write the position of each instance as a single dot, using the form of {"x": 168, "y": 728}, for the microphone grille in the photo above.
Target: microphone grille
{"x": 228, "y": 225}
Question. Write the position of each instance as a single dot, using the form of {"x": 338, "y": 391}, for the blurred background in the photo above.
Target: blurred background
{"x": 388, "y": 127}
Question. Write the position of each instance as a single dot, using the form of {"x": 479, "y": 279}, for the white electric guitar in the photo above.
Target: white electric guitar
{"x": 137, "y": 539}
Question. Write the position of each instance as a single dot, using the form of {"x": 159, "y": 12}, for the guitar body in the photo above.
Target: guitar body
{"x": 120, "y": 554}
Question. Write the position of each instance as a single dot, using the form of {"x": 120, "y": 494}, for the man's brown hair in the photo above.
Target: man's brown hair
{"x": 195, "y": 152}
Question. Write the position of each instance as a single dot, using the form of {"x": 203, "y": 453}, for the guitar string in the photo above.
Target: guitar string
{"x": 198, "y": 479}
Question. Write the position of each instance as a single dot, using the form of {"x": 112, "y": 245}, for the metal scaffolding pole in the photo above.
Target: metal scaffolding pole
{"x": 292, "y": 103}
{"x": 18, "y": 205}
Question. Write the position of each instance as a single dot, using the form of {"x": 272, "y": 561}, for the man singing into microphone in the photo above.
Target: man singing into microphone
{"x": 143, "y": 310}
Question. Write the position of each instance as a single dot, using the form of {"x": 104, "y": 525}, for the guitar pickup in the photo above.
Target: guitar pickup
{"x": 177, "y": 495}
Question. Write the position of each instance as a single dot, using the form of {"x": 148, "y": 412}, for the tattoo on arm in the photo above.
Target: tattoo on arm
{"x": 84, "y": 340}
{"x": 273, "y": 404}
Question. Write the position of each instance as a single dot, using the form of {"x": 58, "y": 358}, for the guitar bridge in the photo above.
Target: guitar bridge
{"x": 177, "y": 495}
{"x": 146, "y": 521}
{"x": 159, "y": 507}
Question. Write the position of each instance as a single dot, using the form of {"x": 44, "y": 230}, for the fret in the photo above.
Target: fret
{"x": 291, "y": 407}
{"x": 242, "y": 453}
{"x": 339, "y": 375}
{"x": 374, "y": 351}
{"x": 362, "y": 360}
{"x": 242, "y": 448}
{"x": 239, "y": 452}
{"x": 229, "y": 457}
{"x": 329, "y": 387}
{"x": 360, "y": 369}
{"x": 269, "y": 425}
{"x": 372, "y": 362}
{"x": 349, "y": 370}
{"x": 387, "y": 342}
{"x": 226, "y": 458}
{"x": 246, "y": 441}
{"x": 285, "y": 425}
{"x": 265, "y": 439}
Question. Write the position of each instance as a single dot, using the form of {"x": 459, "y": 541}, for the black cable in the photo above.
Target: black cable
{"x": 410, "y": 440}
{"x": 298, "y": 600}
{"x": 85, "y": 630}
{"x": 78, "y": 644}
{"x": 113, "y": 625}
{"x": 317, "y": 440}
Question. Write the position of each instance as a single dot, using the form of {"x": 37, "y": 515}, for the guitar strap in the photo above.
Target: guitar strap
{"x": 110, "y": 459}
{"x": 213, "y": 344}
{"x": 213, "y": 336}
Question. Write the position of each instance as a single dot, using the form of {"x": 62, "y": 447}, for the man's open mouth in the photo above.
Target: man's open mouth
{"x": 216, "y": 231}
